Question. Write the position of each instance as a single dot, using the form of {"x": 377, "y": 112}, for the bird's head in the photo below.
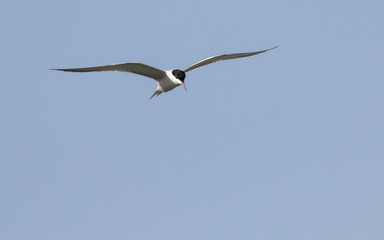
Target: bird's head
{"x": 180, "y": 75}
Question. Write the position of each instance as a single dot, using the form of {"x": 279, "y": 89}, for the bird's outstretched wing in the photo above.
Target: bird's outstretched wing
{"x": 214, "y": 59}
{"x": 137, "y": 68}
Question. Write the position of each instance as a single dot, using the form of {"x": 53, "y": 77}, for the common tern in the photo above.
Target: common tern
{"x": 166, "y": 80}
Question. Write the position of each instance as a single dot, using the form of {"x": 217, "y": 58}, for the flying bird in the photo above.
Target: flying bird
{"x": 166, "y": 80}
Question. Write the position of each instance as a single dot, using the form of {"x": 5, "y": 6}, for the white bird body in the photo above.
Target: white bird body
{"x": 166, "y": 80}
{"x": 166, "y": 83}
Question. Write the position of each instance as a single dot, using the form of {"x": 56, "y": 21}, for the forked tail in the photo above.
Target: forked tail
{"x": 157, "y": 93}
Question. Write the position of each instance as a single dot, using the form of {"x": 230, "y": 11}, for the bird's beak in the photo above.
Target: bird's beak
{"x": 184, "y": 86}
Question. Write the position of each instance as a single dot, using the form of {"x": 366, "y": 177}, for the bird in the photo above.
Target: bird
{"x": 166, "y": 80}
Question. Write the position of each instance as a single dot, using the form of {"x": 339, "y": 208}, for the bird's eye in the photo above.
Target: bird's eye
{"x": 179, "y": 74}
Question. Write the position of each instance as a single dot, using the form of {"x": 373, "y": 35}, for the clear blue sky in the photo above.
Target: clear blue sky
{"x": 287, "y": 144}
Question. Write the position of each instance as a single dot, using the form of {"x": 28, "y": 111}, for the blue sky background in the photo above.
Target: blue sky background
{"x": 288, "y": 144}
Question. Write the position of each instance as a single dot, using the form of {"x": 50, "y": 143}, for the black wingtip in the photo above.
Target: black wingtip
{"x": 273, "y": 47}
{"x": 63, "y": 70}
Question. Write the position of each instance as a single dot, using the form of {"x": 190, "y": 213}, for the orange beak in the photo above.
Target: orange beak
{"x": 184, "y": 86}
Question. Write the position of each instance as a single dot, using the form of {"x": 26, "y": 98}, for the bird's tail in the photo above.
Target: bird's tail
{"x": 157, "y": 93}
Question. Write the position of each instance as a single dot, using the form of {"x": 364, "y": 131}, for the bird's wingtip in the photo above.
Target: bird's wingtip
{"x": 274, "y": 47}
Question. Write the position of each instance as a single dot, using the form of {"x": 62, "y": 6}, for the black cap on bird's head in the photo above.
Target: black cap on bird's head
{"x": 179, "y": 75}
